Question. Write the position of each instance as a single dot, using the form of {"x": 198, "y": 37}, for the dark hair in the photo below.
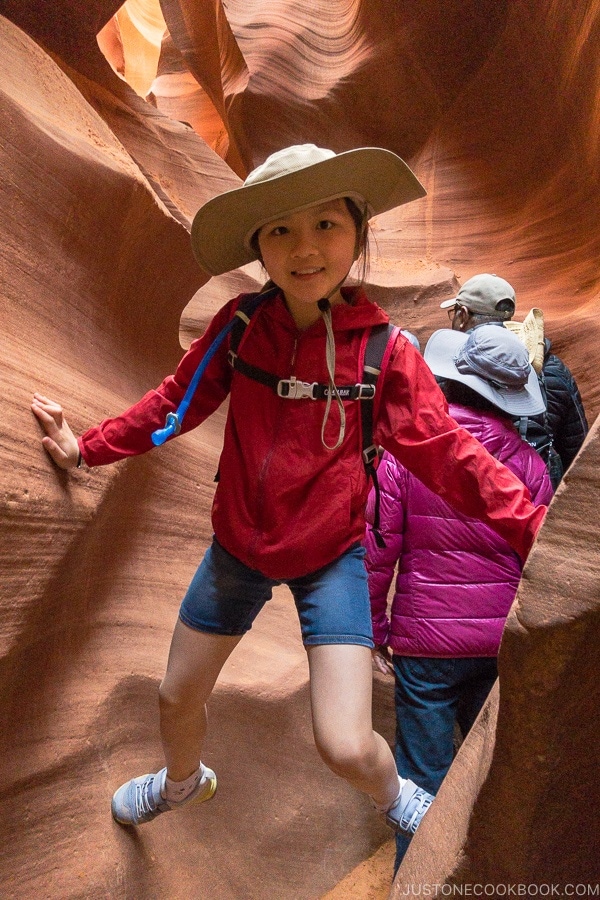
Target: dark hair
{"x": 503, "y": 311}
{"x": 462, "y": 395}
{"x": 361, "y": 223}
{"x": 254, "y": 244}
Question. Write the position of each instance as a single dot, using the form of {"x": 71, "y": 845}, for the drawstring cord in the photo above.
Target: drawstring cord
{"x": 325, "y": 308}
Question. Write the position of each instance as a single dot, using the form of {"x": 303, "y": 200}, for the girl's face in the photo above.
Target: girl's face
{"x": 308, "y": 253}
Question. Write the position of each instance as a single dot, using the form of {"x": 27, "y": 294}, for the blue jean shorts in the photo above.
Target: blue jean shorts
{"x": 225, "y": 597}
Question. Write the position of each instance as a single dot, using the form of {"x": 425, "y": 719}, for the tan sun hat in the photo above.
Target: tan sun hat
{"x": 531, "y": 332}
{"x": 289, "y": 181}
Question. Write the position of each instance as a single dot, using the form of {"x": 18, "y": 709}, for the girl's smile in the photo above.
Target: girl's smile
{"x": 309, "y": 254}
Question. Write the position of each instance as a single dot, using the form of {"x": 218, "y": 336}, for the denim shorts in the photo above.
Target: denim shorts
{"x": 225, "y": 597}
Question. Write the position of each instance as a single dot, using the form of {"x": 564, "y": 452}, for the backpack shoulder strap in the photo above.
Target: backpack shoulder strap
{"x": 378, "y": 347}
{"x": 247, "y": 306}
{"x": 242, "y": 316}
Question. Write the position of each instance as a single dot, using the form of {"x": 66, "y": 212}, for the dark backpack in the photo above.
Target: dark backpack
{"x": 538, "y": 434}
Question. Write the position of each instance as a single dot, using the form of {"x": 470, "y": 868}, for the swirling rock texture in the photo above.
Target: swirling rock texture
{"x": 104, "y": 158}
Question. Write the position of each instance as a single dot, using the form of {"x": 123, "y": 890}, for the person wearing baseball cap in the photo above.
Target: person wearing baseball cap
{"x": 558, "y": 433}
{"x": 481, "y": 300}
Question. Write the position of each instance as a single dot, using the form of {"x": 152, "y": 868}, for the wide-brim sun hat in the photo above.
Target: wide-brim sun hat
{"x": 491, "y": 361}
{"x": 531, "y": 332}
{"x": 289, "y": 181}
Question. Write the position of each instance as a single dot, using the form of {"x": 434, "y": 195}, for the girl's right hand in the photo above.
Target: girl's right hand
{"x": 59, "y": 440}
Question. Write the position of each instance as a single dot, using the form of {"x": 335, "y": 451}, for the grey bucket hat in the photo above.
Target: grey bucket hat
{"x": 491, "y": 361}
{"x": 291, "y": 180}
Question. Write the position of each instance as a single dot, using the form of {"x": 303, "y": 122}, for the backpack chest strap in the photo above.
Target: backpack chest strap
{"x": 293, "y": 389}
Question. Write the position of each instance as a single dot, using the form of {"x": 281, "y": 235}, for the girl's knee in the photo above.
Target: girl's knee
{"x": 348, "y": 757}
{"x": 176, "y": 695}
{"x": 167, "y": 697}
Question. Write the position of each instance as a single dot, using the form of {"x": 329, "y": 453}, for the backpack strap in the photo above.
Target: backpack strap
{"x": 174, "y": 420}
{"x": 522, "y": 424}
{"x": 289, "y": 388}
{"x": 378, "y": 347}
{"x": 537, "y": 432}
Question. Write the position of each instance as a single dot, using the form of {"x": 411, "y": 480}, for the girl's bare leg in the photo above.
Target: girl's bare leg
{"x": 195, "y": 661}
{"x": 341, "y": 700}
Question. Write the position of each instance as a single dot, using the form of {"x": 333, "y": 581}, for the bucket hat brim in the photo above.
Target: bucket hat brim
{"x": 222, "y": 227}
{"x": 440, "y": 352}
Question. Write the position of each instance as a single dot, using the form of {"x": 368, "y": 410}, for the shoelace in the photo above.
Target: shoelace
{"x": 143, "y": 797}
{"x": 423, "y": 802}
{"x": 333, "y": 391}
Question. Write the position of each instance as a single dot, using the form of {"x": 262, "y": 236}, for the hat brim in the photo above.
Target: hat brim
{"x": 448, "y": 303}
{"x": 221, "y": 227}
{"x": 440, "y": 351}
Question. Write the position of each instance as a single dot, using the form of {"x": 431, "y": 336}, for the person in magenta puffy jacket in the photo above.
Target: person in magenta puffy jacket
{"x": 455, "y": 579}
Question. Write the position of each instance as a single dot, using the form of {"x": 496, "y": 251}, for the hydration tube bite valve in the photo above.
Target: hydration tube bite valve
{"x": 172, "y": 427}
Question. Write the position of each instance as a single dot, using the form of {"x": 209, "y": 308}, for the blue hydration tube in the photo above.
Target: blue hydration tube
{"x": 174, "y": 419}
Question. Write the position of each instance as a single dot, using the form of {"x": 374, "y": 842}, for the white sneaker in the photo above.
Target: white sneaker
{"x": 408, "y": 809}
{"x": 140, "y": 800}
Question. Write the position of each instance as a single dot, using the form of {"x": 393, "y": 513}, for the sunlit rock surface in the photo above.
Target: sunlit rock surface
{"x": 494, "y": 104}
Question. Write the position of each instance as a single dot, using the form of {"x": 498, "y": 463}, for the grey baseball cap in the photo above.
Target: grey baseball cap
{"x": 492, "y": 361}
{"x": 482, "y": 294}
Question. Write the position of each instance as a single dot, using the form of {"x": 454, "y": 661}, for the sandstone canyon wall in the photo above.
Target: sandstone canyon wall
{"x": 494, "y": 104}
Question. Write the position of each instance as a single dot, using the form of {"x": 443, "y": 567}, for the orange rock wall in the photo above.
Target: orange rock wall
{"x": 494, "y": 105}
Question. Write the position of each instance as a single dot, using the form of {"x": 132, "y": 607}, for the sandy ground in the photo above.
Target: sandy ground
{"x": 371, "y": 880}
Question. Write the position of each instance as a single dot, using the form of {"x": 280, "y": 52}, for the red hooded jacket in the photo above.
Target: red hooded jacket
{"x": 286, "y": 505}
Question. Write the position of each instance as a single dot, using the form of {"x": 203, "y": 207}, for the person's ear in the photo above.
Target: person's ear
{"x": 462, "y": 318}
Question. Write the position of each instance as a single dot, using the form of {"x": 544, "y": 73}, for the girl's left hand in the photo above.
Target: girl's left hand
{"x": 382, "y": 661}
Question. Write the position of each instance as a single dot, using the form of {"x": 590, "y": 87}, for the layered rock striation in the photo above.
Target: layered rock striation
{"x": 494, "y": 106}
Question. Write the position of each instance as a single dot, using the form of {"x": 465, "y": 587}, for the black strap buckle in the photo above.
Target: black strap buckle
{"x": 365, "y": 391}
{"x": 369, "y": 455}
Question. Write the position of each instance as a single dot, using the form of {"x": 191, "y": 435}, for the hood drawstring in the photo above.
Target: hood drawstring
{"x": 325, "y": 308}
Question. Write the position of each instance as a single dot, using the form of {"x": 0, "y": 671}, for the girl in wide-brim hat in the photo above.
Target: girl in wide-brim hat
{"x": 289, "y": 503}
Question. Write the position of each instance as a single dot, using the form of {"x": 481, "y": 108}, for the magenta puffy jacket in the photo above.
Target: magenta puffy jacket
{"x": 456, "y": 579}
